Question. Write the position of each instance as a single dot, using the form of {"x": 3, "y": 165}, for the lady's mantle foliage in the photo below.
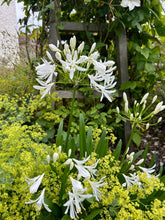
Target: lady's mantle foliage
{"x": 75, "y": 67}
{"x": 102, "y": 191}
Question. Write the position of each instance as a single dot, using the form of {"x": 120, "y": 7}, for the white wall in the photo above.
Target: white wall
{"x": 8, "y": 32}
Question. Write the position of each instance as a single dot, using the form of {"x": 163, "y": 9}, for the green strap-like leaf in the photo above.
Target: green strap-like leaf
{"x": 93, "y": 214}
{"x": 102, "y": 146}
{"x": 144, "y": 156}
{"x": 59, "y": 138}
{"x": 82, "y": 136}
{"x": 117, "y": 151}
{"x": 89, "y": 141}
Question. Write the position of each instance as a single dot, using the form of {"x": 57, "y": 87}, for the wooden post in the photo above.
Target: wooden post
{"x": 122, "y": 64}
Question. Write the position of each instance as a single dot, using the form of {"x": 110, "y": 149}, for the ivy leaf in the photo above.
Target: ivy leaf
{"x": 128, "y": 85}
{"x": 145, "y": 52}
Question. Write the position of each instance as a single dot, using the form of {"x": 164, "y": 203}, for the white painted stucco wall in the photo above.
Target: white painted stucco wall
{"x": 8, "y": 32}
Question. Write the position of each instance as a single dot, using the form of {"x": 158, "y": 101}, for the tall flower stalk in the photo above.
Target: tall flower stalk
{"x": 74, "y": 67}
{"x": 139, "y": 116}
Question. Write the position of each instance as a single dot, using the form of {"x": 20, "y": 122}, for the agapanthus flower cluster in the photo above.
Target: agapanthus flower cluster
{"x": 72, "y": 64}
{"x": 139, "y": 115}
{"x": 78, "y": 192}
{"x": 133, "y": 177}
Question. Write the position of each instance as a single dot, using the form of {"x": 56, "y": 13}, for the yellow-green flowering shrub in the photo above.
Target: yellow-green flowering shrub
{"x": 22, "y": 156}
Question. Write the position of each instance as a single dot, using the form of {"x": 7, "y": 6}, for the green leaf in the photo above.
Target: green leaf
{"x": 117, "y": 151}
{"x": 59, "y": 138}
{"x": 152, "y": 160}
{"x": 136, "y": 139}
{"x": 144, "y": 156}
{"x": 145, "y": 52}
{"x": 66, "y": 217}
{"x": 93, "y": 214}
{"x": 160, "y": 28}
{"x": 54, "y": 207}
{"x": 128, "y": 85}
{"x": 60, "y": 26}
{"x": 137, "y": 155}
{"x": 82, "y": 136}
{"x": 150, "y": 67}
{"x": 102, "y": 146}
{"x": 72, "y": 146}
{"x": 63, "y": 183}
{"x": 89, "y": 141}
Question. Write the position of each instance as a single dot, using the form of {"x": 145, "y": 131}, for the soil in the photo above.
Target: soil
{"x": 156, "y": 137}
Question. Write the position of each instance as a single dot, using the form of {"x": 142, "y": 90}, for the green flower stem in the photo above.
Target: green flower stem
{"x": 128, "y": 144}
{"x": 70, "y": 118}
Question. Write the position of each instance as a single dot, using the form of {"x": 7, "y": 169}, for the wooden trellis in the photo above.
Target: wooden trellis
{"x": 122, "y": 58}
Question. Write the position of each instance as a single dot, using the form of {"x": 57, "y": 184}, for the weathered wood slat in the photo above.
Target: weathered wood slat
{"x": 68, "y": 94}
{"x": 77, "y": 26}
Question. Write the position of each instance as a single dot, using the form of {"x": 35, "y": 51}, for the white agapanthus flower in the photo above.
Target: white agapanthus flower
{"x": 92, "y": 169}
{"x": 44, "y": 86}
{"x": 39, "y": 202}
{"x": 82, "y": 171}
{"x": 149, "y": 171}
{"x": 130, "y": 3}
{"x": 95, "y": 186}
{"x": 91, "y": 58}
{"x": 46, "y": 71}
{"x": 131, "y": 180}
{"x": 36, "y": 182}
{"x": 105, "y": 89}
{"x": 72, "y": 63}
{"x": 74, "y": 204}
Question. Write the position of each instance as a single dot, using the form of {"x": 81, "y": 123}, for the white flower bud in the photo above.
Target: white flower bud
{"x": 48, "y": 158}
{"x": 49, "y": 56}
{"x": 73, "y": 42}
{"x": 59, "y": 149}
{"x": 144, "y": 105}
{"x": 158, "y": 108}
{"x": 69, "y": 152}
{"x": 131, "y": 116}
{"x": 117, "y": 109}
{"x": 144, "y": 98}
{"x": 147, "y": 126}
{"x": 55, "y": 157}
{"x": 125, "y": 97}
{"x": 135, "y": 102}
{"x": 54, "y": 48}
{"x": 81, "y": 48}
{"x": 58, "y": 56}
{"x": 127, "y": 150}
{"x": 126, "y": 107}
{"x": 92, "y": 47}
{"x": 162, "y": 107}
{"x": 159, "y": 119}
{"x": 66, "y": 49}
{"x": 69, "y": 162}
{"x": 140, "y": 162}
{"x": 132, "y": 167}
{"x": 132, "y": 154}
{"x": 154, "y": 99}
